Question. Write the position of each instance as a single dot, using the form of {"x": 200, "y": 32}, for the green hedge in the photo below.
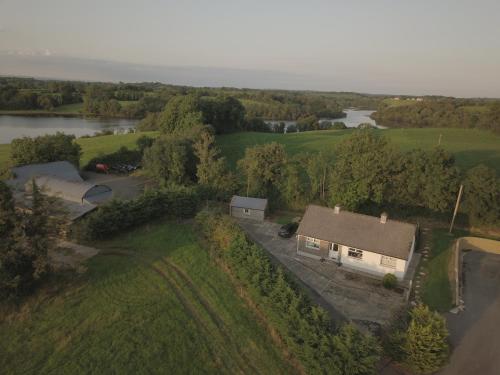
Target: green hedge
{"x": 118, "y": 215}
{"x": 304, "y": 327}
{"x": 123, "y": 155}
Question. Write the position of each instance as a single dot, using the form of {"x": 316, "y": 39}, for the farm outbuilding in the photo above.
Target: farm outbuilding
{"x": 59, "y": 179}
{"x": 248, "y": 208}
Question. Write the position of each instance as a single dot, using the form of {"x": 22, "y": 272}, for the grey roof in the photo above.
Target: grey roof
{"x": 249, "y": 202}
{"x": 393, "y": 238}
{"x": 61, "y": 169}
{"x": 68, "y": 190}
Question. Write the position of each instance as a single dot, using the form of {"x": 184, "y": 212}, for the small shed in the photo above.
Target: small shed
{"x": 248, "y": 207}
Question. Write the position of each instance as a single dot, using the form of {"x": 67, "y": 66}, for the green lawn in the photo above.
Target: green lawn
{"x": 91, "y": 147}
{"x": 470, "y": 147}
{"x": 161, "y": 307}
{"x": 436, "y": 288}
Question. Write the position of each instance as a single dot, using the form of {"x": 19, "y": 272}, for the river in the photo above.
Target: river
{"x": 18, "y": 126}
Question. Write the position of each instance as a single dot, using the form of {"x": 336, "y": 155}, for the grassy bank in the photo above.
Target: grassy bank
{"x": 153, "y": 304}
{"x": 436, "y": 288}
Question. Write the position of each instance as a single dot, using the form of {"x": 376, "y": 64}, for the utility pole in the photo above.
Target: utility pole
{"x": 456, "y": 207}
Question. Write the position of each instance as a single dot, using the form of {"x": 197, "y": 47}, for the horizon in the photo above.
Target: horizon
{"x": 445, "y": 49}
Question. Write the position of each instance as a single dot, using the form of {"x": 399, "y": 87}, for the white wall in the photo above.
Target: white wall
{"x": 370, "y": 263}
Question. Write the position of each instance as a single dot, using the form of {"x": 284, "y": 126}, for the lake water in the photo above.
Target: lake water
{"x": 18, "y": 126}
{"x": 352, "y": 120}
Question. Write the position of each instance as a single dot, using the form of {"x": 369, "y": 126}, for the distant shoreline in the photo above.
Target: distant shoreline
{"x": 37, "y": 113}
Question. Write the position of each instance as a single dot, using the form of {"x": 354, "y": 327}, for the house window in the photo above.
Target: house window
{"x": 246, "y": 211}
{"x": 312, "y": 243}
{"x": 388, "y": 261}
{"x": 355, "y": 253}
{"x": 334, "y": 246}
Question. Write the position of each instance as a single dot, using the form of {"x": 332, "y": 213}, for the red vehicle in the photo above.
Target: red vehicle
{"x": 100, "y": 167}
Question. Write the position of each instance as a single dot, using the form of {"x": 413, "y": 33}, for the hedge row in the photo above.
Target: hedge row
{"x": 118, "y": 215}
{"x": 304, "y": 327}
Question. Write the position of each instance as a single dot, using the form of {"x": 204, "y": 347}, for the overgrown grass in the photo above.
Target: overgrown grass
{"x": 436, "y": 292}
{"x": 160, "y": 307}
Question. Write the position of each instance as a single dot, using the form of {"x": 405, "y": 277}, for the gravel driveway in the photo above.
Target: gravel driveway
{"x": 355, "y": 297}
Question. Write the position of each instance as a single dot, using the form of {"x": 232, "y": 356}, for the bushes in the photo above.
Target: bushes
{"x": 45, "y": 149}
{"x": 418, "y": 340}
{"x": 117, "y": 216}
{"x": 389, "y": 281}
{"x": 305, "y": 328}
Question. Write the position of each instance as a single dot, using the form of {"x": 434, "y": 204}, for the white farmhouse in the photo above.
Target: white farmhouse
{"x": 375, "y": 245}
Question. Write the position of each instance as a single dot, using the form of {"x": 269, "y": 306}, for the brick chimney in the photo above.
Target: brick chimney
{"x": 384, "y": 217}
{"x": 337, "y": 208}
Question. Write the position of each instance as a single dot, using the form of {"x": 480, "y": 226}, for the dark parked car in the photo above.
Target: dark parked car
{"x": 288, "y": 230}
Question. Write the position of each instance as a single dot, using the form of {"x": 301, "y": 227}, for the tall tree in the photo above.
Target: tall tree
{"x": 426, "y": 345}
{"x": 364, "y": 166}
{"x": 212, "y": 170}
{"x": 170, "y": 160}
{"x": 25, "y": 245}
{"x": 264, "y": 167}
{"x": 482, "y": 196}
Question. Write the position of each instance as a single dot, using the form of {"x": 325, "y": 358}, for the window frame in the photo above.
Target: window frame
{"x": 353, "y": 250}
{"x": 314, "y": 241}
{"x": 246, "y": 211}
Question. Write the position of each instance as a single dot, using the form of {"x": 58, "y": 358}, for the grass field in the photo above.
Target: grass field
{"x": 470, "y": 147}
{"x": 154, "y": 303}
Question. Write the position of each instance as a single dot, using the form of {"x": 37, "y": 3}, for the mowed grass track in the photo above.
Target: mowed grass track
{"x": 470, "y": 147}
{"x": 151, "y": 302}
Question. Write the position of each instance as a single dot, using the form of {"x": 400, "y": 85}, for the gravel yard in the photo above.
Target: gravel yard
{"x": 356, "y": 297}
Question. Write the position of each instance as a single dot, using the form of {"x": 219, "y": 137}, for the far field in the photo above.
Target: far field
{"x": 151, "y": 302}
{"x": 470, "y": 147}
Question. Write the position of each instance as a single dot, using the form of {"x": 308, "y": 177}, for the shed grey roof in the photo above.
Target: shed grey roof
{"x": 60, "y": 169}
{"x": 393, "y": 238}
{"x": 68, "y": 190}
{"x": 249, "y": 202}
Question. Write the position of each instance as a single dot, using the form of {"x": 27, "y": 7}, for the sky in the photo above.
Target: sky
{"x": 445, "y": 47}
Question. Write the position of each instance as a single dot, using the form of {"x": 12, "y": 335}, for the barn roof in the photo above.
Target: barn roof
{"x": 249, "y": 202}
{"x": 60, "y": 169}
{"x": 392, "y": 238}
{"x": 68, "y": 190}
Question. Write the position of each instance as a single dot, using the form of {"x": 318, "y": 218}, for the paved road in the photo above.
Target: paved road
{"x": 475, "y": 333}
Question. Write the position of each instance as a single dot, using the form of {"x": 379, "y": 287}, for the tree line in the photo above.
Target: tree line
{"x": 441, "y": 113}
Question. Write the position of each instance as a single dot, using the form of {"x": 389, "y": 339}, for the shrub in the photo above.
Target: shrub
{"x": 418, "y": 340}
{"x": 118, "y": 215}
{"x": 389, "y": 281}
{"x": 339, "y": 125}
{"x": 304, "y": 327}
{"x": 45, "y": 149}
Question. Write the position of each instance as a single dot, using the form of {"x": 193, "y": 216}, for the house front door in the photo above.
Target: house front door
{"x": 333, "y": 251}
